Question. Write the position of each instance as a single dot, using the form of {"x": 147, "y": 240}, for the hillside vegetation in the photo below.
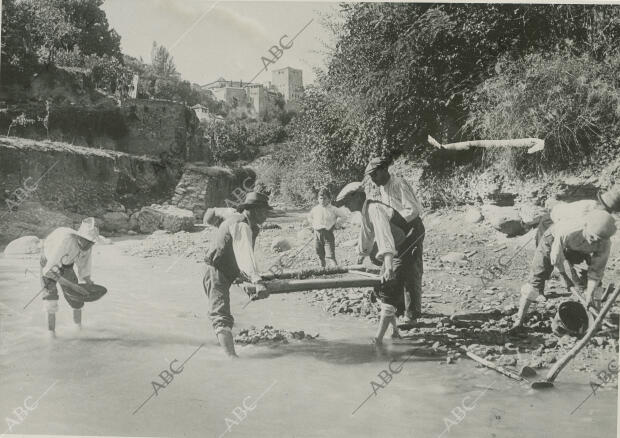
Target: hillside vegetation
{"x": 400, "y": 72}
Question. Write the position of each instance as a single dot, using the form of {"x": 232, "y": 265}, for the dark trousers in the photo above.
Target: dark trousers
{"x": 414, "y": 268}
{"x": 65, "y": 271}
{"x": 324, "y": 239}
{"x": 541, "y": 267}
{"x": 217, "y": 288}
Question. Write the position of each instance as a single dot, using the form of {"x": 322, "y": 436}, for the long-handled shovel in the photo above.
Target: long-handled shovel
{"x": 559, "y": 365}
{"x": 495, "y": 367}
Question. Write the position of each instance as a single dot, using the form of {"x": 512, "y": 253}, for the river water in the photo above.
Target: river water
{"x": 96, "y": 381}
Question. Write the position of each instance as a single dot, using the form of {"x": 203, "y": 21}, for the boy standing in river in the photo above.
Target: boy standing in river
{"x": 323, "y": 218}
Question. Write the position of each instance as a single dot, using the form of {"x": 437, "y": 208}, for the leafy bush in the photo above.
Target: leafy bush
{"x": 572, "y": 102}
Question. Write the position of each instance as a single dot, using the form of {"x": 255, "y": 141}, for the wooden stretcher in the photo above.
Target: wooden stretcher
{"x": 304, "y": 280}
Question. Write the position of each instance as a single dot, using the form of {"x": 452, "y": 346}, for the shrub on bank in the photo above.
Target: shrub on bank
{"x": 572, "y": 102}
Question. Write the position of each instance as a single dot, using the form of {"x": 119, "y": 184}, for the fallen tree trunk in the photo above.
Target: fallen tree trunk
{"x": 533, "y": 144}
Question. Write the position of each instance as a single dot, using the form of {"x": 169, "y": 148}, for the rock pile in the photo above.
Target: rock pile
{"x": 268, "y": 335}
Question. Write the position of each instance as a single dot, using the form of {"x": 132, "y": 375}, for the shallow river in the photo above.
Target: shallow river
{"x": 95, "y": 381}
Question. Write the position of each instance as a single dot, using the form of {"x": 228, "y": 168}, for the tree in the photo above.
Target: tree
{"x": 53, "y": 31}
{"x": 93, "y": 35}
{"x": 414, "y": 65}
{"x": 162, "y": 62}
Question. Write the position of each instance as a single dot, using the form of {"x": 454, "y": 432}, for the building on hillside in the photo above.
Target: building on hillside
{"x": 239, "y": 94}
{"x": 289, "y": 82}
{"x": 203, "y": 113}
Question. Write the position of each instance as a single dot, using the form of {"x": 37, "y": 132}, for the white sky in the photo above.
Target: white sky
{"x": 228, "y": 41}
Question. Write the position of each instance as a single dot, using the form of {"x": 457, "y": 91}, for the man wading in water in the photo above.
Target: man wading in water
{"x": 399, "y": 195}
{"x": 389, "y": 241}
{"x": 230, "y": 257}
{"x": 62, "y": 249}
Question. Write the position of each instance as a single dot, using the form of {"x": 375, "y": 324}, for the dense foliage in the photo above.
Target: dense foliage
{"x": 399, "y": 72}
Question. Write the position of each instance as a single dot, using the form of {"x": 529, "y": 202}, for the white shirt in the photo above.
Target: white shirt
{"x": 398, "y": 194}
{"x": 321, "y": 217}
{"x": 61, "y": 248}
{"x": 574, "y": 211}
{"x": 376, "y": 227}
{"x": 242, "y": 247}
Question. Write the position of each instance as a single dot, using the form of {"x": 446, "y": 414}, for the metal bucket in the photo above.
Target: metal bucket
{"x": 572, "y": 319}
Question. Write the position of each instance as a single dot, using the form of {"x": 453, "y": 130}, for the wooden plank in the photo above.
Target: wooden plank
{"x": 286, "y": 286}
{"x": 317, "y": 272}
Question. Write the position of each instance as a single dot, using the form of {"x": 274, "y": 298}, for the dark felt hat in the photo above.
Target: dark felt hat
{"x": 376, "y": 163}
{"x": 255, "y": 200}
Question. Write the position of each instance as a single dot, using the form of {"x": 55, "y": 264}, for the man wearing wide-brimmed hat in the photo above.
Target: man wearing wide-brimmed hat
{"x": 390, "y": 241}
{"x": 563, "y": 246}
{"x": 396, "y": 193}
{"x": 608, "y": 201}
{"x": 231, "y": 257}
{"x": 63, "y": 249}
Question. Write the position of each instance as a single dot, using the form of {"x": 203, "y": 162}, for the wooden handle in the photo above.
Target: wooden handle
{"x": 559, "y": 365}
{"x": 491, "y": 365}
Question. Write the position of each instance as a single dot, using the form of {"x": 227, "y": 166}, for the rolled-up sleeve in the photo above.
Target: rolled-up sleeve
{"x": 56, "y": 254}
{"x": 380, "y": 219}
{"x": 598, "y": 262}
{"x": 242, "y": 246}
{"x": 411, "y": 206}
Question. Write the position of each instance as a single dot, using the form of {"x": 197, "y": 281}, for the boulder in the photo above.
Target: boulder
{"x": 23, "y": 245}
{"x": 170, "y": 218}
{"x": 504, "y": 219}
{"x": 176, "y": 219}
{"x": 280, "y": 244}
{"x": 149, "y": 220}
{"x": 531, "y": 214}
{"x": 472, "y": 215}
{"x": 115, "y": 221}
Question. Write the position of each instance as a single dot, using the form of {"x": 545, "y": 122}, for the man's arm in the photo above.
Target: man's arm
{"x": 244, "y": 252}
{"x": 596, "y": 269}
{"x": 55, "y": 255}
{"x": 412, "y": 208}
{"x": 380, "y": 219}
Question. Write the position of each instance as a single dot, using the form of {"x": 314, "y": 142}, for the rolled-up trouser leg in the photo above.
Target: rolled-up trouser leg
{"x": 217, "y": 289}
{"x": 51, "y": 295}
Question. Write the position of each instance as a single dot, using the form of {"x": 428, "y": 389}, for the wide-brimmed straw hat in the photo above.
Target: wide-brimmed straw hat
{"x": 89, "y": 230}
{"x": 255, "y": 200}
